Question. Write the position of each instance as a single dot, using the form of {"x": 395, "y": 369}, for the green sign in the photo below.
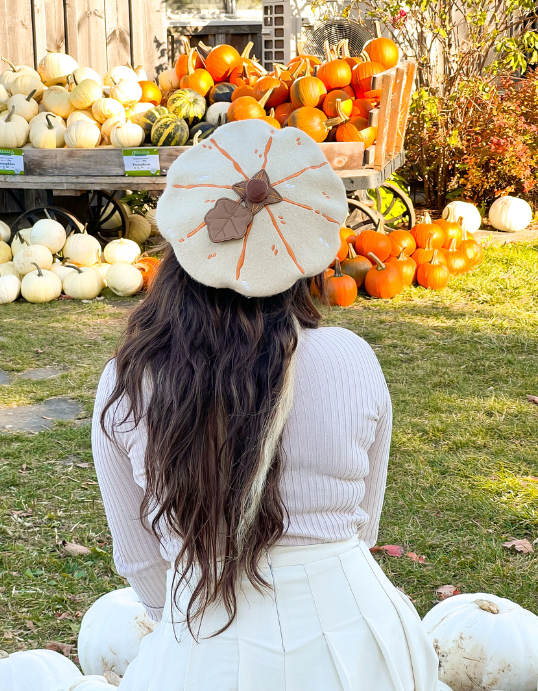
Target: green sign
{"x": 11, "y": 162}
{"x": 141, "y": 162}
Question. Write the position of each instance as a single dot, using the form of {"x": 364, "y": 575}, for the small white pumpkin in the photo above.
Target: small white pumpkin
{"x": 50, "y": 233}
{"x": 5, "y": 252}
{"x": 38, "y": 670}
{"x": 26, "y": 259}
{"x": 138, "y": 229}
{"x": 114, "y": 221}
{"x": 102, "y": 267}
{"x": 484, "y": 638}
{"x": 61, "y": 269}
{"x": 40, "y": 286}
{"x": 90, "y": 682}
{"x": 26, "y": 84}
{"x": 151, "y": 217}
{"x": 58, "y": 100}
{"x": 510, "y": 214}
{"x": 121, "y": 250}
{"x": 137, "y": 109}
{"x": 24, "y": 106}
{"x": 85, "y": 94}
{"x": 5, "y": 232}
{"x": 20, "y": 240}
{"x": 8, "y": 76}
{"x": 126, "y": 92}
{"x": 8, "y": 269}
{"x": 469, "y": 213}
{"x": 120, "y": 72}
{"x": 82, "y": 115}
{"x": 54, "y": 68}
{"x": 124, "y": 279}
{"x": 141, "y": 74}
{"x": 14, "y": 130}
{"x": 127, "y": 135}
{"x": 168, "y": 80}
{"x": 109, "y": 124}
{"x": 10, "y": 289}
{"x": 82, "y": 248}
{"x": 42, "y": 117}
{"x": 4, "y": 98}
{"x": 82, "y": 134}
{"x": 112, "y": 628}
{"x": 47, "y": 134}
{"x": 105, "y": 108}
{"x": 84, "y": 283}
{"x": 80, "y": 74}
{"x": 216, "y": 111}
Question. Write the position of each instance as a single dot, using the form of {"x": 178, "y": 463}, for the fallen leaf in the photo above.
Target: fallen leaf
{"x": 74, "y": 550}
{"x": 391, "y": 550}
{"x": 532, "y": 399}
{"x": 8, "y": 635}
{"x": 415, "y": 557}
{"x": 30, "y": 625}
{"x": 47, "y": 418}
{"x": 82, "y": 465}
{"x": 523, "y": 546}
{"x": 27, "y": 512}
{"x": 446, "y": 591}
{"x": 38, "y": 350}
{"x": 64, "y": 615}
{"x": 63, "y": 648}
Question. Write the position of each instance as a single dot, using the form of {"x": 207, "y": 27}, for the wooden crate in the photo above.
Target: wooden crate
{"x": 97, "y": 33}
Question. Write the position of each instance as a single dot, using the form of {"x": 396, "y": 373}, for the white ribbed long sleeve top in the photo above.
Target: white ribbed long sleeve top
{"x": 336, "y": 445}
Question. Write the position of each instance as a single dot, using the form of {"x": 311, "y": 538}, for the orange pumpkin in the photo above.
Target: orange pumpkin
{"x": 312, "y": 121}
{"x": 150, "y": 93}
{"x": 424, "y": 254}
{"x": 354, "y": 131}
{"x": 181, "y": 65}
{"x": 344, "y": 52}
{"x": 280, "y": 91}
{"x": 335, "y": 74}
{"x": 198, "y": 79}
{"x": 341, "y": 289}
{"x": 342, "y": 250}
{"x": 356, "y": 266}
{"x": 384, "y": 51}
{"x": 382, "y": 280}
{"x": 457, "y": 260}
{"x": 271, "y": 119}
{"x": 433, "y": 274}
{"x": 402, "y": 240}
{"x": 243, "y": 91}
{"x": 148, "y": 267}
{"x": 451, "y": 229}
{"x": 283, "y": 111}
{"x": 361, "y": 107}
{"x": 472, "y": 249}
{"x": 406, "y": 265}
{"x": 361, "y": 75}
{"x": 346, "y": 233}
{"x": 247, "y": 108}
{"x": 331, "y": 101}
{"x": 220, "y": 62}
{"x": 376, "y": 241}
{"x": 307, "y": 92}
{"x": 312, "y": 59}
{"x": 422, "y": 231}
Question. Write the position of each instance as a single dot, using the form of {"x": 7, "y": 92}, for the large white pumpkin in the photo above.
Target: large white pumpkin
{"x": 121, "y": 250}
{"x": 84, "y": 283}
{"x": 216, "y": 111}
{"x": 111, "y": 630}
{"x": 124, "y": 279}
{"x": 10, "y": 289}
{"x": 139, "y": 229}
{"x": 50, "y": 233}
{"x": 5, "y": 232}
{"x": 469, "y": 213}
{"x": 36, "y": 670}
{"x": 41, "y": 286}
{"x": 484, "y": 642}
{"x": 510, "y": 214}
{"x": 21, "y": 240}
{"x": 25, "y": 260}
{"x": 81, "y": 248}
{"x": 115, "y": 220}
{"x": 54, "y": 68}
{"x": 61, "y": 269}
{"x": 90, "y": 682}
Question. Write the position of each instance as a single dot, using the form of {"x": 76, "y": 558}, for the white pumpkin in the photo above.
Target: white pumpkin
{"x": 138, "y": 109}
{"x": 114, "y": 221}
{"x": 216, "y": 111}
{"x": 121, "y": 250}
{"x": 102, "y": 267}
{"x": 8, "y": 269}
{"x": 510, "y": 214}
{"x": 82, "y": 249}
{"x": 168, "y": 80}
{"x": 21, "y": 240}
{"x": 5, "y": 252}
{"x": 10, "y": 289}
{"x": 139, "y": 229}
{"x": 36, "y": 670}
{"x": 126, "y": 92}
{"x": 151, "y": 217}
{"x": 120, "y": 72}
{"x": 40, "y": 286}
{"x": 42, "y": 117}
{"x": 8, "y": 76}
{"x": 14, "y": 130}
{"x": 26, "y": 259}
{"x": 127, "y": 135}
{"x": 109, "y": 124}
{"x": 24, "y": 106}
{"x": 84, "y": 283}
{"x": 82, "y": 115}
{"x": 82, "y": 134}
{"x": 26, "y": 84}
{"x": 111, "y": 630}
{"x": 105, "y": 108}
{"x": 54, "y": 68}
{"x": 4, "y": 97}
{"x": 141, "y": 74}
{"x": 47, "y": 134}
{"x": 58, "y": 100}
{"x": 85, "y": 94}
{"x": 61, "y": 269}
{"x": 486, "y": 639}
{"x": 469, "y": 213}
{"x": 91, "y": 682}
{"x": 5, "y": 232}
{"x": 80, "y": 74}
{"x": 50, "y": 233}
{"x": 124, "y": 279}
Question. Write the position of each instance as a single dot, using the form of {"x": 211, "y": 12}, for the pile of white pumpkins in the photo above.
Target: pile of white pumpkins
{"x": 32, "y": 268}
{"x": 64, "y": 105}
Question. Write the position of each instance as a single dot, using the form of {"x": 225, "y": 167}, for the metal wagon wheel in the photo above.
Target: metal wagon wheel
{"x": 29, "y": 218}
{"x": 103, "y": 215}
{"x": 365, "y": 209}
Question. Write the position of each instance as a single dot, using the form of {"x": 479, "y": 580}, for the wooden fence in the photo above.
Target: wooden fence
{"x": 97, "y": 33}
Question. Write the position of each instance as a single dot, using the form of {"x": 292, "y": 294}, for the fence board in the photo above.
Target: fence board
{"x": 395, "y": 110}
{"x": 16, "y": 32}
{"x": 118, "y": 36}
{"x": 382, "y": 129}
{"x": 149, "y": 40}
{"x": 86, "y": 37}
{"x": 406, "y": 101}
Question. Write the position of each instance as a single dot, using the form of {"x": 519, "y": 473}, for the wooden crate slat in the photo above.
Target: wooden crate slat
{"x": 395, "y": 107}
{"x": 344, "y": 155}
{"x": 148, "y": 38}
{"x": 16, "y": 32}
{"x": 373, "y": 117}
{"x": 118, "y": 36}
{"x": 411, "y": 69}
{"x": 86, "y": 37}
{"x": 382, "y": 129}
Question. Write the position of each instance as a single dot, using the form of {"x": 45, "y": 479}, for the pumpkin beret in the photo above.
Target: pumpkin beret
{"x": 253, "y": 209}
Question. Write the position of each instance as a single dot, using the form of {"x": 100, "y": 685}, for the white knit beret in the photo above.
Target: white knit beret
{"x": 253, "y": 209}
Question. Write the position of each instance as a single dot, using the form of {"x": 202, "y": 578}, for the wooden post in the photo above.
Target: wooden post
{"x": 395, "y": 107}
{"x": 118, "y": 35}
{"x": 406, "y": 102}
{"x": 148, "y": 36}
{"x": 86, "y": 36}
{"x": 16, "y": 32}
{"x": 383, "y": 123}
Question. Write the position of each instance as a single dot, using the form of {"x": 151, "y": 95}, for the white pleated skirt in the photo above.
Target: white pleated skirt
{"x": 333, "y": 622}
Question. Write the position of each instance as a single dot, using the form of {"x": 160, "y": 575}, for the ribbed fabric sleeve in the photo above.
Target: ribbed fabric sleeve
{"x": 336, "y": 446}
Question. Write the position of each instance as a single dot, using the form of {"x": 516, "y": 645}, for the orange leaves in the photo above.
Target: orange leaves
{"x": 398, "y": 551}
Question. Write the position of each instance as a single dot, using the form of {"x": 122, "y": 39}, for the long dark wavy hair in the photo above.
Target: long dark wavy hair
{"x": 219, "y": 367}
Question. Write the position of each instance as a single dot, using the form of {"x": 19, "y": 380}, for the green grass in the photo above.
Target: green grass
{"x": 463, "y": 476}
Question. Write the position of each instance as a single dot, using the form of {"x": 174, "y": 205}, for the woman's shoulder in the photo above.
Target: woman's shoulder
{"x": 334, "y": 340}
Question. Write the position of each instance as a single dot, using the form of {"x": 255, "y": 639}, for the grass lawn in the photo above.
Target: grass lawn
{"x": 464, "y": 469}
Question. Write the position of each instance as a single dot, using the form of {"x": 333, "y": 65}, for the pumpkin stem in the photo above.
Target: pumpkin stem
{"x": 331, "y": 122}
{"x": 65, "y": 260}
{"x": 272, "y": 113}
{"x": 364, "y": 56}
{"x": 300, "y": 67}
{"x": 380, "y": 265}
{"x": 196, "y": 138}
{"x": 427, "y": 219}
{"x": 377, "y": 28}
{"x": 337, "y": 269}
{"x": 341, "y": 115}
{"x": 13, "y": 68}
{"x": 402, "y": 255}
{"x": 345, "y": 48}
{"x": 72, "y": 266}
{"x": 327, "y": 50}
{"x": 191, "y": 61}
{"x": 248, "y": 48}
{"x": 39, "y": 272}
{"x": 186, "y": 44}
{"x": 11, "y": 113}
{"x": 351, "y": 251}
{"x": 452, "y": 246}
{"x": 435, "y": 261}
{"x": 487, "y": 606}
{"x": 379, "y": 228}
{"x": 205, "y": 48}
{"x": 429, "y": 242}
{"x": 267, "y": 95}
{"x": 29, "y": 97}
{"x": 49, "y": 125}
{"x": 450, "y": 216}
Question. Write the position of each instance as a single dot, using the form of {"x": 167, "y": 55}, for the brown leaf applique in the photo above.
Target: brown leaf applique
{"x": 523, "y": 546}
{"x": 227, "y": 220}
{"x": 446, "y": 591}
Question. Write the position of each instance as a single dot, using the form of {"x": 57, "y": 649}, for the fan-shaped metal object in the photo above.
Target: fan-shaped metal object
{"x": 334, "y": 30}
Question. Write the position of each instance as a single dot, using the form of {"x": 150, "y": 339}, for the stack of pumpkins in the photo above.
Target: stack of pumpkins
{"x": 385, "y": 263}
{"x": 65, "y": 105}
{"x": 31, "y": 266}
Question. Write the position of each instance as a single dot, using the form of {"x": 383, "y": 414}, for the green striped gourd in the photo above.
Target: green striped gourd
{"x": 187, "y": 104}
{"x": 169, "y": 130}
{"x": 150, "y": 117}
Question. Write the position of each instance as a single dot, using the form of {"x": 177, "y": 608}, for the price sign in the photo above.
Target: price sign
{"x": 141, "y": 162}
{"x": 11, "y": 162}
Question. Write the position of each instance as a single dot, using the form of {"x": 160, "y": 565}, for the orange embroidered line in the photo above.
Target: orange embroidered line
{"x": 329, "y": 218}
{"x": 202, "y": 224}
{"x": 190, "y": 187}
{"x": 299, "y": 173}
{"x": 267, "y": 147}
{"x": 288, "y": 248}
{"x": 225, "y": 153}
{"x": 303, "y": 206}
{"x": 243, "y": 251}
